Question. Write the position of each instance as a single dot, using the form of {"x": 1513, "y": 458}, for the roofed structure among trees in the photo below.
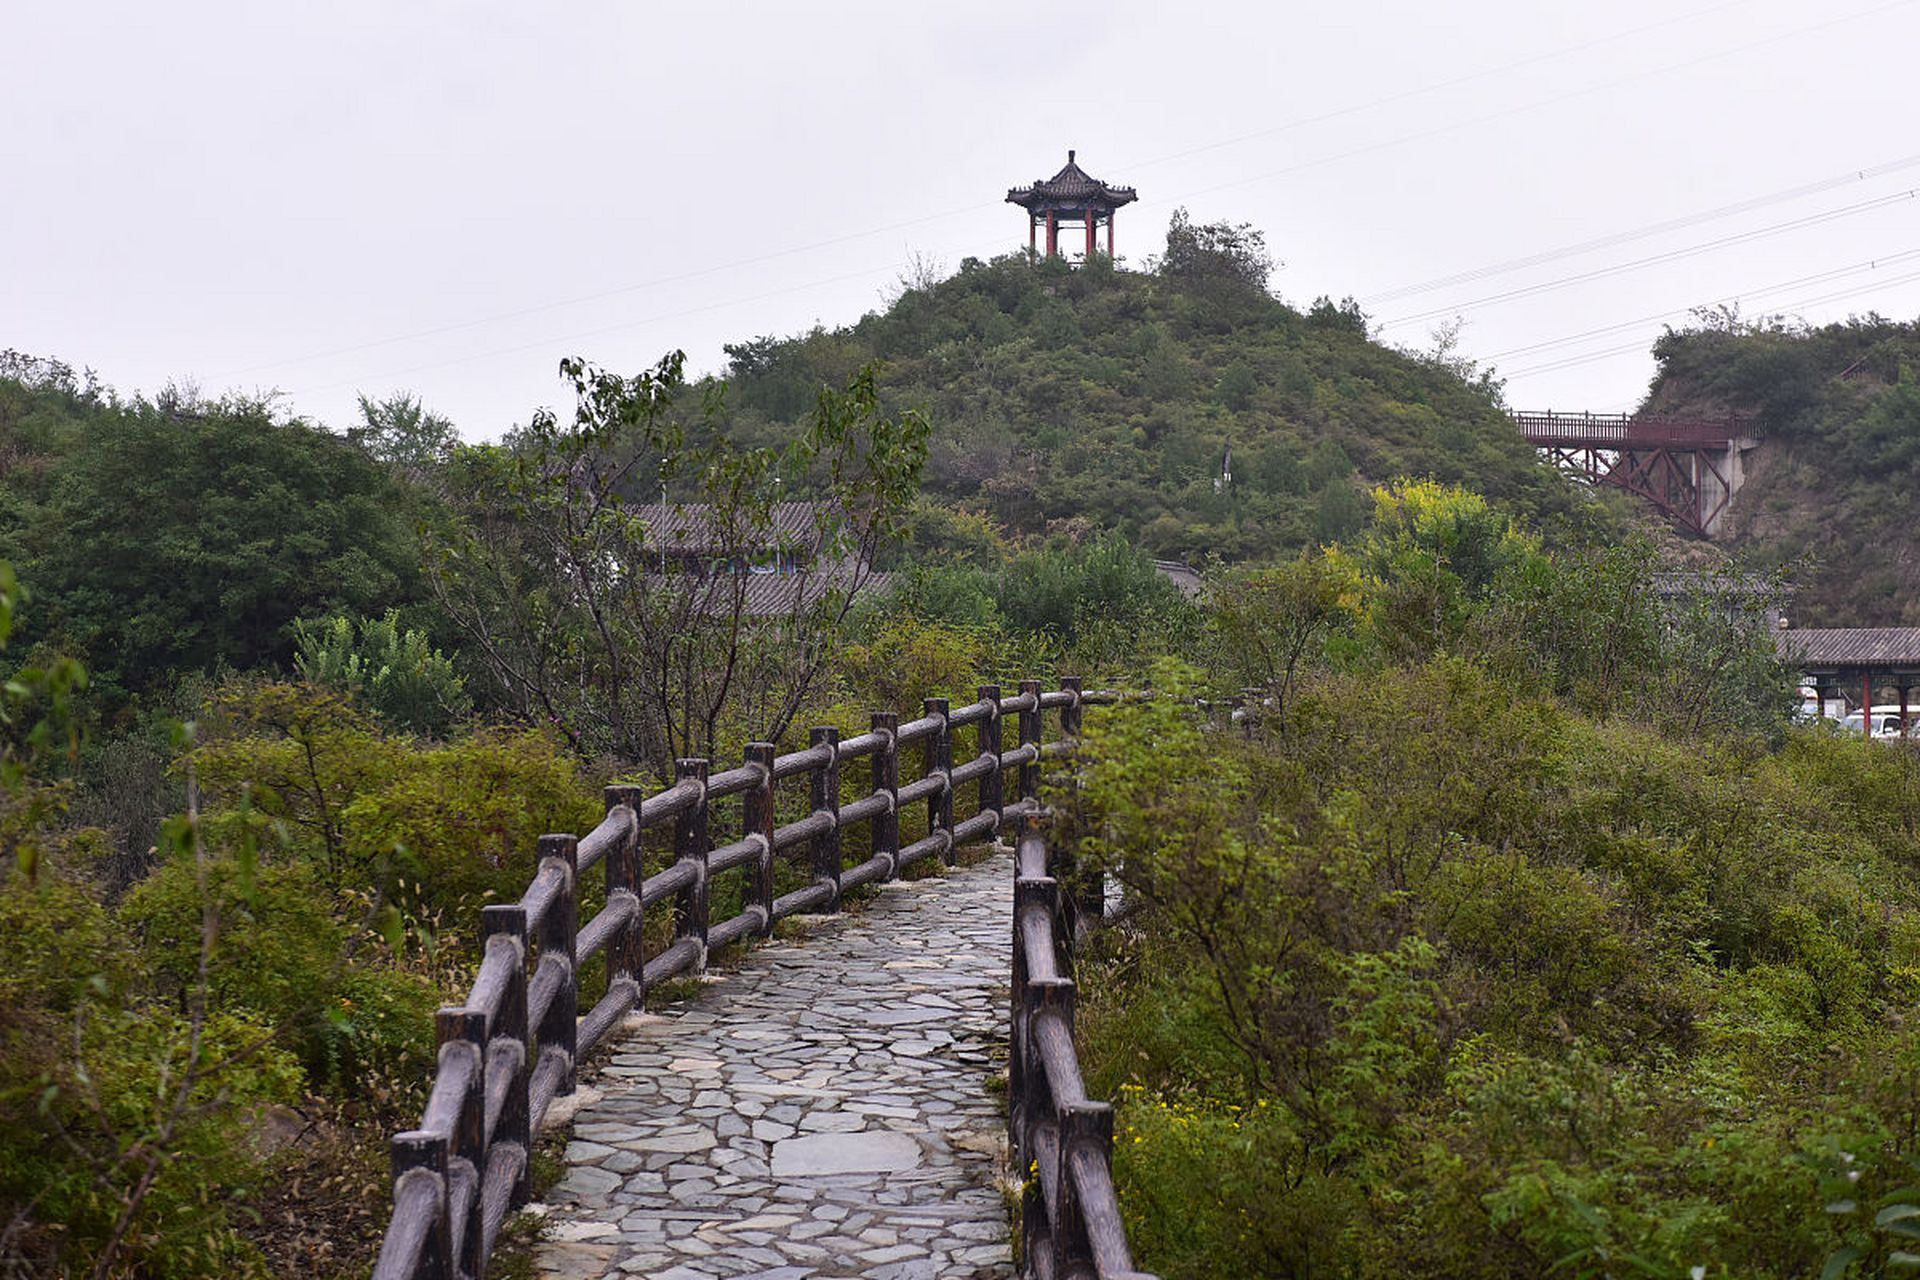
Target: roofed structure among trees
{"x": 1069, "y": 198}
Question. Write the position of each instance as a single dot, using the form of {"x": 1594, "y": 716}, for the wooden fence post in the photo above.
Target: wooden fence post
{"x": 1084, "y": 883}
{"x": 1029, "y": 774}
{"x": 1020, "y": 1067}
{"x": 1083, "y": 1125}
{"x": 418, "y": 1153}
{"x": 468, "y": 1030}
{"x": 826, "y": 799}
{"x": 514, "y": 1126}
{"x": 559, "y": 931}
{"x": 691, "y": 845}
{"x": 940, "y": 762}
{"x": 990, "y": 781}
{"x": 760, "y": 814}
{"x": 886, "y": 777}
{"x": 626, "y": 949}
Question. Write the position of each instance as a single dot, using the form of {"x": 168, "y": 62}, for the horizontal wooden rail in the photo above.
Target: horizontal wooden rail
{"x": 1070, "y": 1217}
{"x": 516, "y": 1043}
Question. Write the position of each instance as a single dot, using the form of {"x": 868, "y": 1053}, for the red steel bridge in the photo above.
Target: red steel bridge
{"x": 1689, "y": 468}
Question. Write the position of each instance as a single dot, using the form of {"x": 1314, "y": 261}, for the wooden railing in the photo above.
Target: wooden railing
{"x": 1062, "y": 1140}
{"x": 515, "y": 1044}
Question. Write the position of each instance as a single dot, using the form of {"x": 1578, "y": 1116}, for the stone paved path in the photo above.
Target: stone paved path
{"x": 822, "y": 1111}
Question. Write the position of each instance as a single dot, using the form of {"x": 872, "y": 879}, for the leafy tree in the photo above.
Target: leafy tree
{"x": 1216, "y": 253}
{"x": 1269, "y": 622}
{"x": 401, "y": 432}
{"x": 182, "y": 535}
{"x": 548, "y": 573}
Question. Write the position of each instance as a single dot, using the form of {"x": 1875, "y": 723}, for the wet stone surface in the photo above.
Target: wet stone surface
{"x": 821, "y": 1111}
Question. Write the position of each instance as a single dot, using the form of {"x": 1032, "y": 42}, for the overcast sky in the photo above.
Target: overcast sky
{"x": 371, "y": 195}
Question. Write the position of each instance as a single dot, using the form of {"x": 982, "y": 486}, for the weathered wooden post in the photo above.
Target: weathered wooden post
{"x": 421, "y": 1156}
{"x": 465, "y": 1031}
{"x": 886, "y": 778}
{"x": 1084, "y": 1127}
{"x": 760, "y": 811}
{"x": 1021, "y": 1062}
{"x": 509, "y": 920}
{"x": 826, "y": 799}
{"x": 990, "y": 781}
{"x": 1083, "y": 883}
{"x": 1029, "y": 775}
{"x": 940, "y": 764}
{"x": 559, "y": 930}
{"x": 691, "y": 846}
{"x": 626, "y": 949}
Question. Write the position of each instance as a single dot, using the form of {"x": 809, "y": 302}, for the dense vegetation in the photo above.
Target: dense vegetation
{"x": 1517, "y": 862}
{"x": 1483, "y": 950}
{"x": 1121, "y": 400}
{"x": 1835, "y": 482}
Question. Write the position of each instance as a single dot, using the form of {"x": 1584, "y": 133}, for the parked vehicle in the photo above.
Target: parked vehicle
{"x": 1885, "y": 722}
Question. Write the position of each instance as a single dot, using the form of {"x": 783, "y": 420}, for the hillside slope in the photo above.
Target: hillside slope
{"x": 1837, "y": 481}
{"x": 1117, "y": 398}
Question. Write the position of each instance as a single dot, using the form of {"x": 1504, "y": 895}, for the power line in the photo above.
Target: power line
{"x": 679, "y": 278}
{"x": 1734, "y": 50}
{"x": 1641, "y": 233}
{"x": 1549, "y": 101}
{"x": 1608, "y": 353}
{"x": 1438, "y": 85}
{"x": 1870, "y": 264}
{"x": 1671, "y": 255}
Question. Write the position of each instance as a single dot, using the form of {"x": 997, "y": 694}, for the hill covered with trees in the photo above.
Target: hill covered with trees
{"x": 1183, "y": 406}
{"x": 1834, "y": 485}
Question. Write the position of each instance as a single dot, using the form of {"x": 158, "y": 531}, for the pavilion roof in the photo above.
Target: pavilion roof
{"x": 1855, "y": 647}
{"x": 1071, "y": 186}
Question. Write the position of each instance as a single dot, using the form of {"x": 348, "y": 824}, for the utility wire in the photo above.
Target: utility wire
{"x": 1685, "y": 64}
{"x": 1608, "y": 353}
{"x": 830, "y": 242}
{"x": 1671, "y": 255}
{"x": 1436, "y": 86}
{"x": 1870, "y": 264}
{"x": 1641, "y": 233}
{"x": 1502, "y": 114}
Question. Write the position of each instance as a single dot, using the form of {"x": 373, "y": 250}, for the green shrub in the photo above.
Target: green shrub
{"x": 397, "y": 674}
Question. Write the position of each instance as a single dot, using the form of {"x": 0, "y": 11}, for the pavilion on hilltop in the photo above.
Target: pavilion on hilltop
{"x": 1070, "y": 198}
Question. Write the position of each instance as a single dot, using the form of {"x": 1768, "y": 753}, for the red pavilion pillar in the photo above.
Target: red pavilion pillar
{"x": 1091, "y": 216}
{"x": 1109, "y": 233}
{"x": 1033, "y": 231}
{"x": 1053, "y": 235}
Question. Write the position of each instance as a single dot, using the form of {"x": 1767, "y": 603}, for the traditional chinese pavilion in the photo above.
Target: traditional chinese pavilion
{"x": 1069, "y": 199}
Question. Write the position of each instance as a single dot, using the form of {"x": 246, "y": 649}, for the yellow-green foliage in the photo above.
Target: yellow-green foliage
{"x": 1440, "y": 974}
{"x": 461, "y": 819}
{"x": 104, "y": 1085}
{"x": 438, "y": 827}
{"x": 314, "y": 911}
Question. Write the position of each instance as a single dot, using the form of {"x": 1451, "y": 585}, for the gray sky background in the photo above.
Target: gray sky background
{"x": 369, "y": 195}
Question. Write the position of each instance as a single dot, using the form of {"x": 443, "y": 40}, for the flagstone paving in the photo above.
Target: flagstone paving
{"x": 820, "y": 1111}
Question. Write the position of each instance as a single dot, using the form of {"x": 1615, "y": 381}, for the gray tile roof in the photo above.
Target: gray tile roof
{"x": 695, "y": 526}
{"x": 766, "y": 595}
{"x": 1851, "y": 646}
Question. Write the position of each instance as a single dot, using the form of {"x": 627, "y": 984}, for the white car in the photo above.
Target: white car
{"x": 1886, "y": 722}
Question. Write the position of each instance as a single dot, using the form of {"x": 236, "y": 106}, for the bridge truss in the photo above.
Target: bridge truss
{"x": 1688, "y": 468}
